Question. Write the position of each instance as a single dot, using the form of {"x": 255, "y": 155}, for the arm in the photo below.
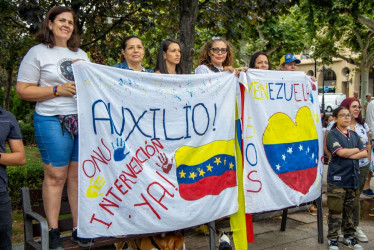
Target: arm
{"x": 370, "y": 118}
{"x": 359, "y": 155}
{"x": 17, "y": 156}
{"x": 325, "y": 149}
{"x": 348, "y": 152}
{"x": 368, "y": 147}
{"x": 33, "y": 92}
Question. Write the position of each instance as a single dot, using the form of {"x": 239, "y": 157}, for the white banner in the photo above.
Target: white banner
{"x": 156, "y": 152}
{"x": 282, "y": 140}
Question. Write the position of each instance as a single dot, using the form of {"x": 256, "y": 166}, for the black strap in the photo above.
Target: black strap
{"x": 215, "y": 69}
{"x": 154, "y": 243}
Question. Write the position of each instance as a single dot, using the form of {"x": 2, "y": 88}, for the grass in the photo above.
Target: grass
{"x": 17, "y": 226}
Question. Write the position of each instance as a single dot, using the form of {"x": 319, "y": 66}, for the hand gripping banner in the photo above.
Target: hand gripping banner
{"x": 156, "y": 152}
{"x": 283, "y": 152}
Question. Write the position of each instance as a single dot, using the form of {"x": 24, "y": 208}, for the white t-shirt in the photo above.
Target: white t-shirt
{"x": 46, "y": 66}
{"x": 361, "y": 130}
{"x": 203, "y": 69}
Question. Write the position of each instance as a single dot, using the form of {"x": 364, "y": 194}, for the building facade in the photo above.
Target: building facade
{"x": 340, "y": 76}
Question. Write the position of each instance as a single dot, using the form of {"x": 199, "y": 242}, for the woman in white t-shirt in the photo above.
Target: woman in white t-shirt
{"x": 215, "y": 57}
{"x": 45, "y": 76}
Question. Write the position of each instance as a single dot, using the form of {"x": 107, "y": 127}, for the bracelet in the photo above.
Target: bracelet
{"x": 55, "y": 92}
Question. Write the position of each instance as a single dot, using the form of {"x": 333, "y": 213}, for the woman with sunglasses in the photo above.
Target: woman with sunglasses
{"x": 215, "y": 57}
{"x": 358, "y": 125}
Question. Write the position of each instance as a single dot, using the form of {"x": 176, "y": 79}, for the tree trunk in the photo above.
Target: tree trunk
{"x": 186, "y": 34}
{"x": 8, "y": 87}
{"x": 364, "y": 74}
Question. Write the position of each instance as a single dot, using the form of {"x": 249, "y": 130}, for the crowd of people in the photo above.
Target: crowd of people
{"x": 45, "y": 77}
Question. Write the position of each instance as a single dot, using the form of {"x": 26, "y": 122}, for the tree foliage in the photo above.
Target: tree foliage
{"x": 248, "y": 25}
{"x": 343, "y": 29}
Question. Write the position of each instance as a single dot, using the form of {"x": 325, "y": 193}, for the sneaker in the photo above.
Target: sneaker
{"x": 368, "y": 192}
{"x": 371, "y": 212}
{"x": 360, "y": 235}
{"x": 55, "y": 240}
{"x": 352, "y": 243}
{"x": 333, "y": 244}
{"x": 340, "y": 235}
{"x": 83, "y": 242}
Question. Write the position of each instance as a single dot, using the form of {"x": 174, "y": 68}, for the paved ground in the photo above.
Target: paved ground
{"x": 301, "y": 231}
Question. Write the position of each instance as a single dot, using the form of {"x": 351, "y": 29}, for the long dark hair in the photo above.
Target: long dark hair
{"x": 204, "y": 58}
{"x": 254, "y": 57}
{"x": 335, "y": 114}
{"x": 46, "y": 36}
{"x": 161, "y": 65}
{"x": 124, "y": 44}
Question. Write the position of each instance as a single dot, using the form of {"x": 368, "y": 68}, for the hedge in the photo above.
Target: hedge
{"x": 31, "y": 175}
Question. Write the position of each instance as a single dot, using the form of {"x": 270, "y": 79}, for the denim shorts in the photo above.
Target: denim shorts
{"x": 57, "y": 147}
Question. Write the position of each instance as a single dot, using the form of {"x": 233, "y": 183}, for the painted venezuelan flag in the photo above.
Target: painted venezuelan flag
{"x": 292, "y": 149}
{"x": 205, "y": 170}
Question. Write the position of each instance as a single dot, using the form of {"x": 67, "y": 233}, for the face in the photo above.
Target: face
{"x": 368, "y": 98}
{"x": 217, "y": 56}
{"x": 134, "y": 51}
{"x": 330, "y": 119}
{"x": 355, "y": 109}
{"x": 289, "y": 66}
{"x": 173, "y": 54}
{"x": 344, "y": 118}
{"x": 262, "y": 62}
{"x": 62, "y": 28}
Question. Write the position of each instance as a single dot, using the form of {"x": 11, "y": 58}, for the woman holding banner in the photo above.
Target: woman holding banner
{"x": 260, "y": 60}
{"x": 132, "y": 54}
{"x": 215, "y": 57}
{"x": 169, "y": 58}
{"x": 358, "y": 125}
{"x": 45, "y": 76}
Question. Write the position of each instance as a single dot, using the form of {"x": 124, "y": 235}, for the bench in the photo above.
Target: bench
{"x": 36, "y": 228}
{"x": 318, "y": 203}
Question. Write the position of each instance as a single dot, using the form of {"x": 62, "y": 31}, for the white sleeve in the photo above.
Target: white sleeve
{"x": 329, "y": 126}
{"x": 29, "y": 70}
{"x": 85, "y": 57}
{"x": 370, "y": 118}
{"x": 203, "y": 69}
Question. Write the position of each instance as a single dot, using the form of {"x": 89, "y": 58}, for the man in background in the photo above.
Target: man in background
{"x": 9, "y": 132}
{"x": 370, "y": 122}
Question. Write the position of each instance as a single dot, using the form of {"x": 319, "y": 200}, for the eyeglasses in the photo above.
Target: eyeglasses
{"x": 345, "y": 115}
{"x": 217, "y": 50}
{"x": 356, "y": 107}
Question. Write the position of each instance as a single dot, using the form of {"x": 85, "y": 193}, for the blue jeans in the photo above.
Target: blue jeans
{"x": 56, "y": 146}
{"x": 5, "y": 222}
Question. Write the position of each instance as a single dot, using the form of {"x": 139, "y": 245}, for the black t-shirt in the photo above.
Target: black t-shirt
{"x": 343, "y": 172}
{"x": 9, "y": 130}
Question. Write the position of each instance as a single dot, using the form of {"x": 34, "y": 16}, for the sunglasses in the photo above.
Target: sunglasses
{"x": 345, "y": 115}
{"x": 217, "y": 50}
